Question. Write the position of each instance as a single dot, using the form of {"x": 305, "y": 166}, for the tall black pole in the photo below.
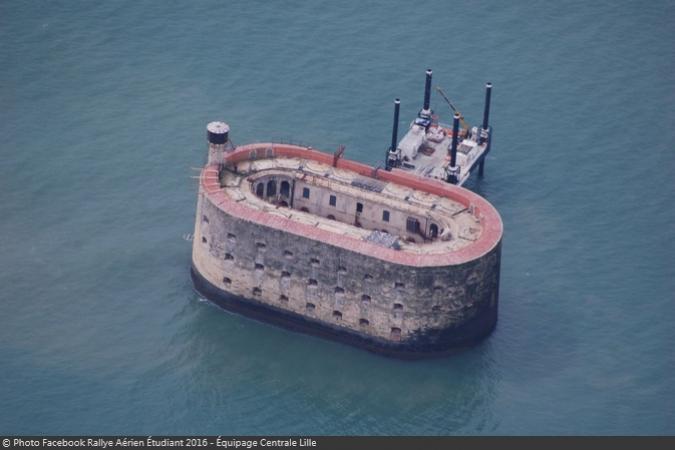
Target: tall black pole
{"x": 453, "y": 170}
{"x": 455, "y": 136}
{"x": 394, "y": 131}
{"x": 486, "y": 111}
{"x": 427, "y": 90}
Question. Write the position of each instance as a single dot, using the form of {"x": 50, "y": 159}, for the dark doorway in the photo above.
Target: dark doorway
{"x": 285, "y": 188}
{"x": 433, "y": 231}
{"x": 271, "y": 188}
{"x": 412, "y": 225}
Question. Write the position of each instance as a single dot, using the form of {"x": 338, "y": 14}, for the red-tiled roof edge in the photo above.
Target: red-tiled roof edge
{"x": 490, "y": 219}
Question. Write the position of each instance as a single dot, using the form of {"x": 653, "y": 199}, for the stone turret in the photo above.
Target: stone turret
{"x": 217, "y": 134}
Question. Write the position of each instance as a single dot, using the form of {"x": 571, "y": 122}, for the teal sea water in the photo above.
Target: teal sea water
{"x": 103, "y": 107}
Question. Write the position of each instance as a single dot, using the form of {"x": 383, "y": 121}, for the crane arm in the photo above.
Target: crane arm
{"x": 447, "y": 100}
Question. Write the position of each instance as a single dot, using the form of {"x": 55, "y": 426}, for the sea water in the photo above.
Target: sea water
{"x": 103, "y": 107}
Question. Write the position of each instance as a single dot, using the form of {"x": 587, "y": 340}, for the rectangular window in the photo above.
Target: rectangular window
{"x": 359, "y": 207}
{"x": 305, "y": 192}
{"x": 332, "y": 200}
{"x": 385, "y": 215}
{"x": 412, "y": 225}
{"x": 396, "y": 334}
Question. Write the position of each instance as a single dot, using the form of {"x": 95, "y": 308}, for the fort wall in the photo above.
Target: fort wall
{"x": 298, "y": 275}
{"x": 390, "y": 307}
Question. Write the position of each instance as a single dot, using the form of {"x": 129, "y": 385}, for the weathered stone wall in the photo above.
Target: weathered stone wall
{"x": 416, "y": 308}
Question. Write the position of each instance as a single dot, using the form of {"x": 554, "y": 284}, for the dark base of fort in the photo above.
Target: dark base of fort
{"x": 421, "y": 345}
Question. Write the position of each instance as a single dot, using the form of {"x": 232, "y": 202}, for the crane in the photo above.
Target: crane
{"x": 447, "y": 100}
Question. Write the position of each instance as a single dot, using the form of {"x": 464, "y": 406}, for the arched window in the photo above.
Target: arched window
{"x": 285, "y": 188}
{"x": 271, "y": 188}
{"x": 433, "y": 231}
{"x": 260, "y": 190}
